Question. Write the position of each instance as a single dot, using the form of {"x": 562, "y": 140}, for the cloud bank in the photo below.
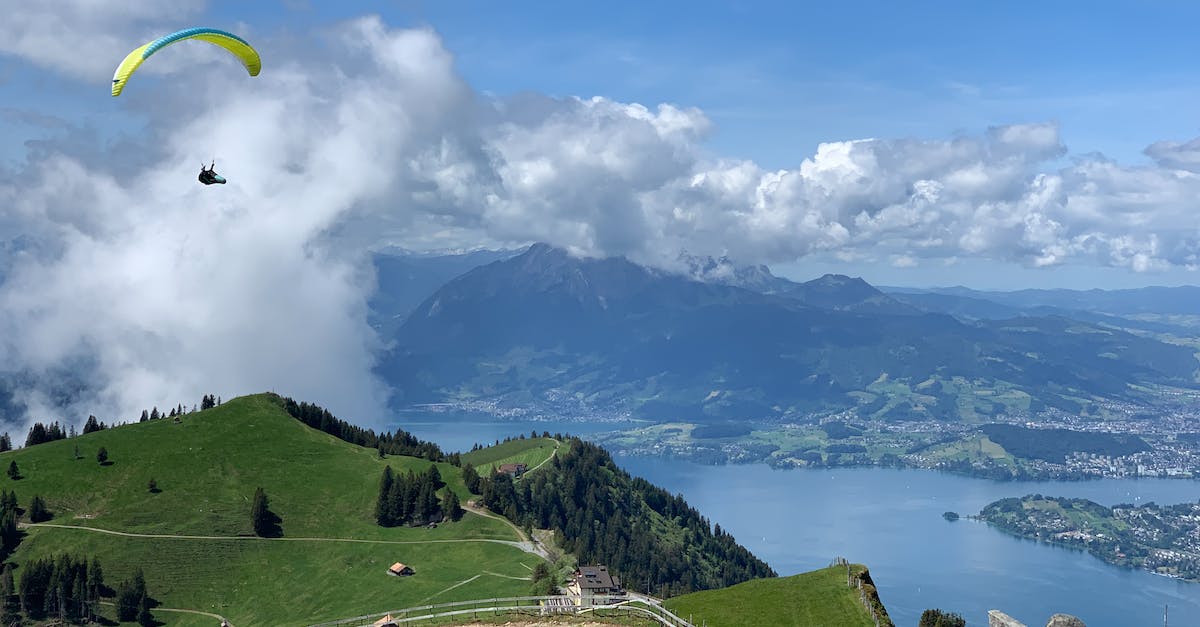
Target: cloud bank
{"x": 169, "y": 290}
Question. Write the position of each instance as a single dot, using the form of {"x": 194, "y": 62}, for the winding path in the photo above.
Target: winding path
{"x": 543, "y": 462}
{"x": 527, "y": 544}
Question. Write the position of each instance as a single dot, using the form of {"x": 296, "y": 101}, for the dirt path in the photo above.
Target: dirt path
{"x": 180, "y": 611}
{"x": 524, "y": 545}
{"x": 440, "y": 592}
{"x": 527, "y": 544}
{"x": 488, "y": 572}
{"x": 543, "y": 462}
{"x": 183, "y": 611}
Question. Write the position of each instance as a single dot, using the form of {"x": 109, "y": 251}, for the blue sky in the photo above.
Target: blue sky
{"x": 776, "y": 79}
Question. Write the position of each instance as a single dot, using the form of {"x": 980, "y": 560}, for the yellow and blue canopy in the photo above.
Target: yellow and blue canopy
{"x": 237, "y": 46}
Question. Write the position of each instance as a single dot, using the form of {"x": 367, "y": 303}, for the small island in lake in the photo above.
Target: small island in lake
{"x": 1163, "y": 539}
{"x": 950, "y": 516}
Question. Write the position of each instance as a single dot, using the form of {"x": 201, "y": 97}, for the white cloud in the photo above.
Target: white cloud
{"x": 87, "y": 38}
{"x": 179, "y": 290}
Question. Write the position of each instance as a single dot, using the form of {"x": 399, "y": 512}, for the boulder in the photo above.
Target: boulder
{"x": 1064, "y": 620}
{"x": 996, "y": 618}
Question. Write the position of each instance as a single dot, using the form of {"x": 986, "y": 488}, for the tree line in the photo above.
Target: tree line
{"x": 40, "y": 433}
{"x": 399, "y": 442}
{"x": 605, "y": 516}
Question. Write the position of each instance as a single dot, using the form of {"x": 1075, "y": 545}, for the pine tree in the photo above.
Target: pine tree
{"x": 10, "y": 604}
{"x": 10, "y": 535}
{"x": 154, "y": 413}
{"x": 145, "y": 416}
{"x": 13, "y": 471}
{"x": 451, "y": 507}
{"x": 144, "y": 618}
{"x": 470, "y": 478}
{"x": 260, "y": 514}
{"x": 383, "y": 514}
{"x": 37, "y": 510}
{"x": 95, "y": 585}
{"x": 102, "y": 455}
{"x": 130, "y": 594}
{"x": 152, "y": 486}
{"x": 37, "y": 435}
{"x": 5, "y": 442}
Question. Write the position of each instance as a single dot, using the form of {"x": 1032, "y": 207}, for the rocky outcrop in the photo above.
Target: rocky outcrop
{"x": 1064, "y": 620}
{"x": 996, "y": 618}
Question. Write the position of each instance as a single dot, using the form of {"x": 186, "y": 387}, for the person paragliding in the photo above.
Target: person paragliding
{"x": 208, "y": 176}
{"x": 231, "y": 43}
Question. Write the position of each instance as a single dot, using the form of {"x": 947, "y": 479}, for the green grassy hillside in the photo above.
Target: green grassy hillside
{"x": 819, "y": 597}
{"x": 529, "y": 451}
{"x": 207, "y": 468}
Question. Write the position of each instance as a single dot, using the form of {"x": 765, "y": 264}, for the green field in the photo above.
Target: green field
{"x": 819, "y": 597}
{"x": 207, "y": 468}
{"x": 529, "y": 451}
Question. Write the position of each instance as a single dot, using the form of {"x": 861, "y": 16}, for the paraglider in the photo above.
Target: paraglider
{"x": 236, "y": 46}
{"x": 208, "y": 177}
{"x": 233, "y": 44}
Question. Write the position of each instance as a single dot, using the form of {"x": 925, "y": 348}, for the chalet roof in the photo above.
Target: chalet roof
{"x": 386, "y": 620}
{"x": 397, "y": 567}
{"x": 595, "y": 578}
{"x": 511, "y": 468}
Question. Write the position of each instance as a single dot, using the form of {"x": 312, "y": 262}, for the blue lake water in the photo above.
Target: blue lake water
{"x": 891, "y": 520}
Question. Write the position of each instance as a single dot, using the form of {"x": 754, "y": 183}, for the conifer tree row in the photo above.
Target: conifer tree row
{"x": 66, "y": 588}
{"x": 399, "y": 442}
{"x": 412, "y": 499}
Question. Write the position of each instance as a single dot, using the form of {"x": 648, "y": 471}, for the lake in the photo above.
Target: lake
{"x": 891, "y": 520}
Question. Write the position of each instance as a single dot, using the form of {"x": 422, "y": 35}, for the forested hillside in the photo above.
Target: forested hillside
{"x": 655, "y": 541}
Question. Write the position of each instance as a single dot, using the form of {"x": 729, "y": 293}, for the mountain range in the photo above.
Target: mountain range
{"x": 720, "y": 342}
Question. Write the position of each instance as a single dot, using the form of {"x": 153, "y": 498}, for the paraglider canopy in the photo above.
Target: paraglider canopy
{"x": 236, "y": 46}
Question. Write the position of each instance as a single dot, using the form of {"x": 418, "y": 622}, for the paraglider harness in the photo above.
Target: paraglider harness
{"x": 208, "y": 176}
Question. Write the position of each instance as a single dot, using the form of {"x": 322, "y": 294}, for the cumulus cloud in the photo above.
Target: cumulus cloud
{"x": 86, "y": 38}
{"x": 171, "y": 290}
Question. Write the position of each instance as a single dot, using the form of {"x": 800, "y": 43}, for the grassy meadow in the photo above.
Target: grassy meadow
{"x": 206, "y": 468}
{"x": 820, "y": 597}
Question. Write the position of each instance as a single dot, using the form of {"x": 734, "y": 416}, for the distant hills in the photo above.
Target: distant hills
{"x": 1184, "y": 300}
{"x": 723, "y": 342}
{"x": 404, "y": 279}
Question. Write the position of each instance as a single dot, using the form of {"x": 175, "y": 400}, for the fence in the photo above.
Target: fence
{"x": 537, "y": 606}
{"x": 854, "y": 581}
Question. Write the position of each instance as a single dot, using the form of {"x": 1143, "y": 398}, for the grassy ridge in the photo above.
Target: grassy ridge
{"x": 207, "y": 468}
{"x": 819, "y": 597}
{"x": 530, "y": 451}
